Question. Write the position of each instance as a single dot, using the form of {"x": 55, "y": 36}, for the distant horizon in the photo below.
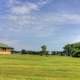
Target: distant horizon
{"x": 29, "y": 24}
{"x": 40, "y": 49}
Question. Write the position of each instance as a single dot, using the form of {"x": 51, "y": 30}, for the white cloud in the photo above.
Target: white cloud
{"x": 24, "y": 9}
{"x": 61, "y": 19}
{"x": 18, "y": 7}
{"x": 71, "y": 18}
{"x": 42, "y": 2}
{"x": 20, "y": 10}
{"x": 21, "y": 18}
{"x": 21, "y": 21}
{"x": 34, "y": 25}
{"x": 44, "y": 25}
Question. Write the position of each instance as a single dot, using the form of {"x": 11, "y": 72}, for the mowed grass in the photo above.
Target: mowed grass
{"x": 31, "y": 67}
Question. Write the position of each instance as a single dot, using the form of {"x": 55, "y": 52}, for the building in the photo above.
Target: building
{"x": 5, "y": 49}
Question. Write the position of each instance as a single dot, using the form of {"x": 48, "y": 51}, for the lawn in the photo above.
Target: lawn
{"x": 32, "y": 67}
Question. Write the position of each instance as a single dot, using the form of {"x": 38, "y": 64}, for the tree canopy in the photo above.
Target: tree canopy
{"x": 72, "y": 49}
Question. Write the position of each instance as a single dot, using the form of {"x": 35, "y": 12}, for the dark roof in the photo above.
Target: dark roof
{"x": 4, "y": 46}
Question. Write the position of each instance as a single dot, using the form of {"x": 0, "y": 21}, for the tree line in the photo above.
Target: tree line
{"x": 44, "y": 51}
{"x": 68, "y": 50}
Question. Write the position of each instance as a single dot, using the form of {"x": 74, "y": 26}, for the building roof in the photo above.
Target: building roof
{"x": 4, "y": 46}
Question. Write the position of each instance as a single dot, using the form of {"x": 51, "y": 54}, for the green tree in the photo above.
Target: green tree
{"x": 72, "y": 49}
{"x": 68, "y": 49}
{"x": 23, "y": 51}
{"x": 44, "y": 50}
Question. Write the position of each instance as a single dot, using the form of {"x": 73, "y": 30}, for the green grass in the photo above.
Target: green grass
{"x": 28, "y": 67}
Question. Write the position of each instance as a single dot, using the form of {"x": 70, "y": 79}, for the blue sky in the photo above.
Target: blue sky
{"x": 28, "y": 24}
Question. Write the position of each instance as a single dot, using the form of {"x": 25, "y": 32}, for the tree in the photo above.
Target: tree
{"x": 23, "y": 51}
{"x": 72, "y": 49}
{"x": 68, "y": 49}
{"x": 44, "y": 50}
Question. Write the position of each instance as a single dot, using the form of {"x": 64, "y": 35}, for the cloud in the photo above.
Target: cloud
{"x": 40, "y": 26}
{"x": 25, "y": 7}
{"x": 23, "y": 23}
{"x": 43, "y": 2}
{"x": 21, "y": 19}
{"x": 34, "y": 25}
{"x": 61, "y": 19}
{"x": 71, "y": 18}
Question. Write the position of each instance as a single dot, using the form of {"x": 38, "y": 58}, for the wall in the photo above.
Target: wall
{"x": 5, "y": 51}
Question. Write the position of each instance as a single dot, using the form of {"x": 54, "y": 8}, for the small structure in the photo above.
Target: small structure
{"x": 5, "y": 49}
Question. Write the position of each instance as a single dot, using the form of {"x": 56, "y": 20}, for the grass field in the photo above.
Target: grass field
{"x": 28, "y": 67}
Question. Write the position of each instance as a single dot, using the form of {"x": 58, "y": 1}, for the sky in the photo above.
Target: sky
{"x": 29, "y": 24}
